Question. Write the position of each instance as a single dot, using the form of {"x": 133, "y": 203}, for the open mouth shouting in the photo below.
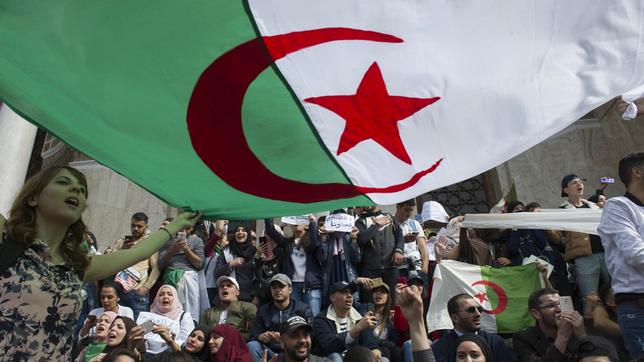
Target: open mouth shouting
{"x": 72, "y": 202}
{"x": 111, "y": 337}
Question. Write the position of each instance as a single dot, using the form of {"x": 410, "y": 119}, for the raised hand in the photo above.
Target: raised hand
{"x": 369, "y": 321}
{"x": 182, "y": 221}
{"x": 410, "y": 300}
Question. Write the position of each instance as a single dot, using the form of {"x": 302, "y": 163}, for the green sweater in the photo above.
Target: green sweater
{"x": 240, "y": 315}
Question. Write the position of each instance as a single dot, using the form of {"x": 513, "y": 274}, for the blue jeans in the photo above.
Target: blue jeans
{"x": 588, "y": 269}
{"x": 256, "y": 348}
{"x": 409, "y": 357}
{"x": 313, "y": 297}
{"x": 138, "y": 303}
{"x": 631, "y": 322}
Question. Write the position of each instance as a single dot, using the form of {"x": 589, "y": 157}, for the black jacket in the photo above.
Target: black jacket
{"x": 269, "y": 318}
{"x": 378, "y": 245}
{"x": 327, "y": 340}
{"x": 312, "y": 278}
{"x": 532, "y": 345}
{"x": 352, "y": 258}
{"x": 244, "y": 274}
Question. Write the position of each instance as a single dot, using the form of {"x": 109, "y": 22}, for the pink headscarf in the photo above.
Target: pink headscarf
{"x": 111, "y": 315}
{"x": 174, "y": 311}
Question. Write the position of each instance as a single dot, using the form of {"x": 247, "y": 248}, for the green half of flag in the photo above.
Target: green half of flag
{"x": 114, "y": 80}
{"x": 508, "y": 290}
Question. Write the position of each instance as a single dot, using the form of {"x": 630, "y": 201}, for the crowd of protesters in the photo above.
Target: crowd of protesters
{"x": 198, "y": 290}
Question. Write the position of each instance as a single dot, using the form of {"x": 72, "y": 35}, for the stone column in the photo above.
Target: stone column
{"x": 16, "y": 142}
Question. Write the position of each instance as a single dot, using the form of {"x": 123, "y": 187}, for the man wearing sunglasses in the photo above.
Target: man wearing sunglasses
{"x": 465, "y": 314}
{"x": 555, "y": 333}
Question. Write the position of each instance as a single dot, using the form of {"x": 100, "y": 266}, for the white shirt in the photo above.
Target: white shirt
{"x": 209, "y": 271}
{"x": 154, "y": 344}
{"x": 298, "y": 256}
{"x": 223, "y": 316}
{"x": 622, "y": 232}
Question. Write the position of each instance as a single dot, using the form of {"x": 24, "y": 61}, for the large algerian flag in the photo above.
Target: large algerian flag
{"x": 502, "y": 292}
{"x": 283, "y": 107}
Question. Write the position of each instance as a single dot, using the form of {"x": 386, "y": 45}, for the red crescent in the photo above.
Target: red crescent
{"x": 503, "y": 298}
{"x": 215, "y": 107}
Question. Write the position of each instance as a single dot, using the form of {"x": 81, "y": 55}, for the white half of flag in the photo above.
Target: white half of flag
{"x": 512, "y": 70}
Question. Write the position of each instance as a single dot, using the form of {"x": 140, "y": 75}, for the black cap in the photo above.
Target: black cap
{"x": 564, "y": 182}
{"x": 339, "y": 286}
{"x": 293, "y": 323}
{"x": 596, "y": 347}
{"x": 413, "y": 275}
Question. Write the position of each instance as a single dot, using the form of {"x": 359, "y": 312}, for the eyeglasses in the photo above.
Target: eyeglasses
{"x": 550, "y": 305}
{"x": 472, "y": 310}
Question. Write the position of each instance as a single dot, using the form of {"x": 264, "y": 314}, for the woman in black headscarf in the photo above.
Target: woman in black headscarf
{"x": 197, "y": 343}
{"x": 237, "y": 260}
{"x": 474, "y": 348}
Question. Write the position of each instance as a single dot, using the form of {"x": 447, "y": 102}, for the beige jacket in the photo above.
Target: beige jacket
{"x": 577, "y": 244}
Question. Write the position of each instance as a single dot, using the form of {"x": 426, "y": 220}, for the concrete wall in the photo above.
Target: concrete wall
{"x": 589, "y": 153}
{"x": 112, "y": 201}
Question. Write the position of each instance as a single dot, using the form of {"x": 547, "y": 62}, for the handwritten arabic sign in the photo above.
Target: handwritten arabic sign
{"x": 296, "y": 220}
{"x": 339, "y": 222}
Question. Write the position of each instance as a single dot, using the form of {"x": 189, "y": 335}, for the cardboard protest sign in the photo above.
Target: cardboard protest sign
{"x": 339, "y": 222}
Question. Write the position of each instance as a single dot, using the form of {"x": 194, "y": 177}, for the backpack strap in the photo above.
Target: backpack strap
{"x": 10, "y": 251}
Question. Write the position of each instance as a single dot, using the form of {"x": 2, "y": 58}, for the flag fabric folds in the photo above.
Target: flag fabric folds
{"x": 580, "y": 220}
{"x": 503, "y": 293}
{"x": 285, "y": 107}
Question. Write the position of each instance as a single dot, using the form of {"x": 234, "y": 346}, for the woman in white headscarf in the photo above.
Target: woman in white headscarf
{"x": 171, "y": 325}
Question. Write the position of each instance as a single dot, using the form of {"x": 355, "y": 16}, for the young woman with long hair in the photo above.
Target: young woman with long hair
{"x": 387, "y": 335}
{"x": 117, "y": 337}
{"x": 300, "y": 260}
{"x": 237, "y": 260}
{"x": 41, "y": 287}
{"x": 99, "y": 341}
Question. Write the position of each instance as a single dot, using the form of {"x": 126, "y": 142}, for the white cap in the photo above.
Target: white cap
{"x": 432, "y": 210}
{"x": 230, "y": 279}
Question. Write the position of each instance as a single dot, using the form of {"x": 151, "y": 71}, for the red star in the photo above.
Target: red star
{"x": 481, "y": 297}
{"x": 372, "y": 113}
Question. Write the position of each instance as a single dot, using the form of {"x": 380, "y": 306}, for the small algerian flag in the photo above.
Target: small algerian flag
{"x": 503, "y": 293}
{"x": 256, "y": 108}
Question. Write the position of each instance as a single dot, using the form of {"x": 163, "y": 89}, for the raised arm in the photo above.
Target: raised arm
{"x": 314, "y": 235}
{"x": 421, "y": 242}
{"x": 103, "y": 266}
{"x": 272, "y": 233}
{"x": 411, "y": 305}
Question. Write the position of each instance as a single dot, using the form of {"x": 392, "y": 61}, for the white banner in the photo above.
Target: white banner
{"x": 580, "y": 220}
{"x": 296, "y": 220}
